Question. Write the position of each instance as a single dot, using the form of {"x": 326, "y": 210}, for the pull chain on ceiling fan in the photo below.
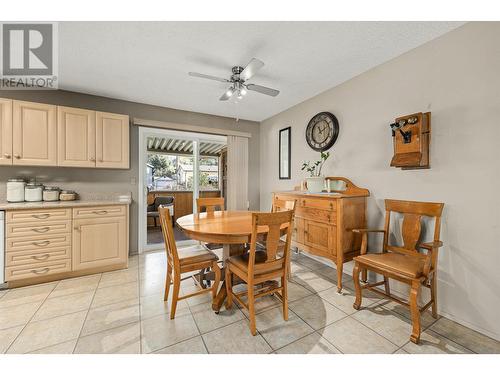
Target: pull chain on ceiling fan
{"x": 238, "y": 79}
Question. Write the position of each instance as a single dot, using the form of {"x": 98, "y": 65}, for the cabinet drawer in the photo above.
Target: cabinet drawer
{"x": 41, "y": 269}
{"x": 316, "y": 214}
{"x": 323, "y": 204}
{"x": 32, "y": 229}
{"x": 37, "y": 242}
{"x": 35, "y": 257}
{"x": 98, "y": 212}
{"x": 27, "y": 216}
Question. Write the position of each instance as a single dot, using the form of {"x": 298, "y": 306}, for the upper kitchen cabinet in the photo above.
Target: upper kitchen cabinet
{"x": 34, "y": 133}
{"x": 5, "y": 131}
{"x": 112, "y": 140}
{"x": 76, "y": 139}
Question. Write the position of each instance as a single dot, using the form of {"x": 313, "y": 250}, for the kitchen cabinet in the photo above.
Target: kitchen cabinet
{"x": 112, "y": 140}
{"x": 323, "y": 222}
{"x": 5, "y": 131}
{"x": 39, "y": 134}
{"x": 76, "y": 137}
{"x": 34, "y": 134}
{"x": 99, "y": 242}
{"x": 45, "y": 244}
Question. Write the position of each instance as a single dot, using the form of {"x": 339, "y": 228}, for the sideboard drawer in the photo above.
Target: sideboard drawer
{"x": 25, "y": 216}
{"x": 35, "y": 257}
{"x": 323, "y": 204}
{"x": 32, "y": 229}
{"x": 14, "y": 244}
{"x": 317, "y": 215}
{"x": 42, "y": 269}
{"x": 98, "y": 212}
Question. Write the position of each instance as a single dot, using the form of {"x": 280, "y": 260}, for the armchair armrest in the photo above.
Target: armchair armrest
{"x": 368, "y": 230}
{"x": 364, "y": 237}
{"x": 431, "y": 245}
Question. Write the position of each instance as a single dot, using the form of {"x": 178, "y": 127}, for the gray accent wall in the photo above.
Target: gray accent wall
{"x": 112, "y": 180}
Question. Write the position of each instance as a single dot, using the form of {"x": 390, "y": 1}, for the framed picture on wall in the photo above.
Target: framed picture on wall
{"x": 285, "y": 144}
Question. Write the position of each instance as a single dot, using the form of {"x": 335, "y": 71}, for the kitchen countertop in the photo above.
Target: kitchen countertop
{"x": 6, "y": 206}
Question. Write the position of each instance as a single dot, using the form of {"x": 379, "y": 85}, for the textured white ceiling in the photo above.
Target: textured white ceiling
{"x": 147, "y": 62}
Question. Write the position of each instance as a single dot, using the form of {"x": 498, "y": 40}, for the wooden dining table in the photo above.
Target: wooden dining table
{"x": 232, "y": 229}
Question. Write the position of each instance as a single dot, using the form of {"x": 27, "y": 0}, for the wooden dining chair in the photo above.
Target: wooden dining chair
{"x": 209, "y": 205}
{"x": 260, "y": 266}
{"x": 192, "y": 258}
{"x": 403, "y": 263}
{"x": 283, "y": 205}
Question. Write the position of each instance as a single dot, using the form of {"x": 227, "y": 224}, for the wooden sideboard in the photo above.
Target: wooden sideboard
{"x": 323, "y": 222}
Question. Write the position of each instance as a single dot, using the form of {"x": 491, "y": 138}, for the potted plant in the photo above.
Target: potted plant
{"x": 316, "y": 181}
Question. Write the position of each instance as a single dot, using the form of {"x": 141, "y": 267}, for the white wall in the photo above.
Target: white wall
{"x": 457, "y": 78}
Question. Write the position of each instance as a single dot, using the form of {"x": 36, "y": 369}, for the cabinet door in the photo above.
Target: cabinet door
{"x": 298, "y": 230}
{"x": 75, "y": 137}
{"x": 99, "y": 242}
{"x": 112, "y": 140}
{"x": 320, "y": 236}
{"x": 34, "y": 134}
{"x": 5, "y": 131}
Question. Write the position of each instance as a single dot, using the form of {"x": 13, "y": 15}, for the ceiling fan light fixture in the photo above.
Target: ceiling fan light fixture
{"x": 243, "y": 91}
{"x": 229, "y": 92}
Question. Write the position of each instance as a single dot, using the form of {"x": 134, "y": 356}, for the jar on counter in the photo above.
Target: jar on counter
{"x": 67, "y": 195}
{"x": 51, "y": 193}
{"x": 15, "y": 189}
{"x": 33, "y": 192}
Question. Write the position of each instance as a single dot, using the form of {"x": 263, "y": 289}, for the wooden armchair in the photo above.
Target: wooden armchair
{"x": 260, "y": 266}
{"x": 192, "y": 258}
{"x": 405, "y": 264}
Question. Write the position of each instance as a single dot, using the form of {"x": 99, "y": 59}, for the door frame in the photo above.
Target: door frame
{"x": 144, "y": 133}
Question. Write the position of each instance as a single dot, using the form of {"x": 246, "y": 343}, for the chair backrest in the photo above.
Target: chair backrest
{"x": 209, "y": 205}
{"x": 411, "y": 227}
{"x": 168, "y": 236}
{"x": 283, "y": 205}
{"x": 160, "y": 201}
{"x": 276, "y": 223}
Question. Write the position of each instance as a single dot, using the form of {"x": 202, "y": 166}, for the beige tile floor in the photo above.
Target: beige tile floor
{"x": 124, "y": 312}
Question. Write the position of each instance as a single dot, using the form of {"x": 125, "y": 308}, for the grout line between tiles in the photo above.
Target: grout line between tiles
{"x": 29, "y": 321}
{"x": 86, "y": 315}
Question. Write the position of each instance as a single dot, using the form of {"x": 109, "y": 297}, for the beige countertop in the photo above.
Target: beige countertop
{"x": 6, "y": 206}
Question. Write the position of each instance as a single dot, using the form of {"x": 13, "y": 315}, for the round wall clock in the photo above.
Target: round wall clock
{"x": 322, "y": 131}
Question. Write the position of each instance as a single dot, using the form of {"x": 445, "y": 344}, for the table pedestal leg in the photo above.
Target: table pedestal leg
{"x": 228, "y": 250}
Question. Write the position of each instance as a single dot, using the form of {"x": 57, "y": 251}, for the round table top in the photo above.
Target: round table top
{"x": 220, "y": 226}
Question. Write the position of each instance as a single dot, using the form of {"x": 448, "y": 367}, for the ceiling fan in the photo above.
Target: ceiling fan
{"x": 238, "y": 80}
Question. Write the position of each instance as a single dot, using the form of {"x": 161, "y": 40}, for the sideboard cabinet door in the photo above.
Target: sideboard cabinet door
{"x": 320, "y": 236}
{"x": 112, "y": 140}
{"x": 34, "y": 134}
{"x": 75, "y": 137}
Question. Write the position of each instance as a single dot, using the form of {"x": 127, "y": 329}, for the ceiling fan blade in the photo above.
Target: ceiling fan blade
{"x": 227, "y": 94}
{"x": 263, "y": 90}
{"x": 253, "y": 66}
{"x": 199, "y": 75}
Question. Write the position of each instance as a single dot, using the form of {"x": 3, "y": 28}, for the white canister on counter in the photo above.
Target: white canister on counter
{"x": 15, "y": 189}
{"x": 33, "y": 192}
{"x": 51, "y": 193}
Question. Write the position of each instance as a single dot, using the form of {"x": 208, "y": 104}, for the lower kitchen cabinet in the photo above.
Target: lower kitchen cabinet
{"x": 99, "y": 242}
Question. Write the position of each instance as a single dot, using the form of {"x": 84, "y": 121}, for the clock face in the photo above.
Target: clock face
{"x": 322, "y": 131}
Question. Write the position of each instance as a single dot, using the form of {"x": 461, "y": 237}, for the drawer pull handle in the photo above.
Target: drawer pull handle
{"x": 41, "y": 243}
{"x": 101, "y": 212}
{"x": 41, "y": 216}
{"x": 41, "y": 230}
{"x": 41, "y": 257}
{"x": 40, "y": 272}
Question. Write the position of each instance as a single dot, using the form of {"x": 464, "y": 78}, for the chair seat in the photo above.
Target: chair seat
{"x": 195, "y": 254}
{"x": 395, "y": 263}
{"x": 241, "y": 261}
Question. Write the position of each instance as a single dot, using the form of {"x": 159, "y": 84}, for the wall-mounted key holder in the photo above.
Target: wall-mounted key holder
{"x": 411, "y": 136}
